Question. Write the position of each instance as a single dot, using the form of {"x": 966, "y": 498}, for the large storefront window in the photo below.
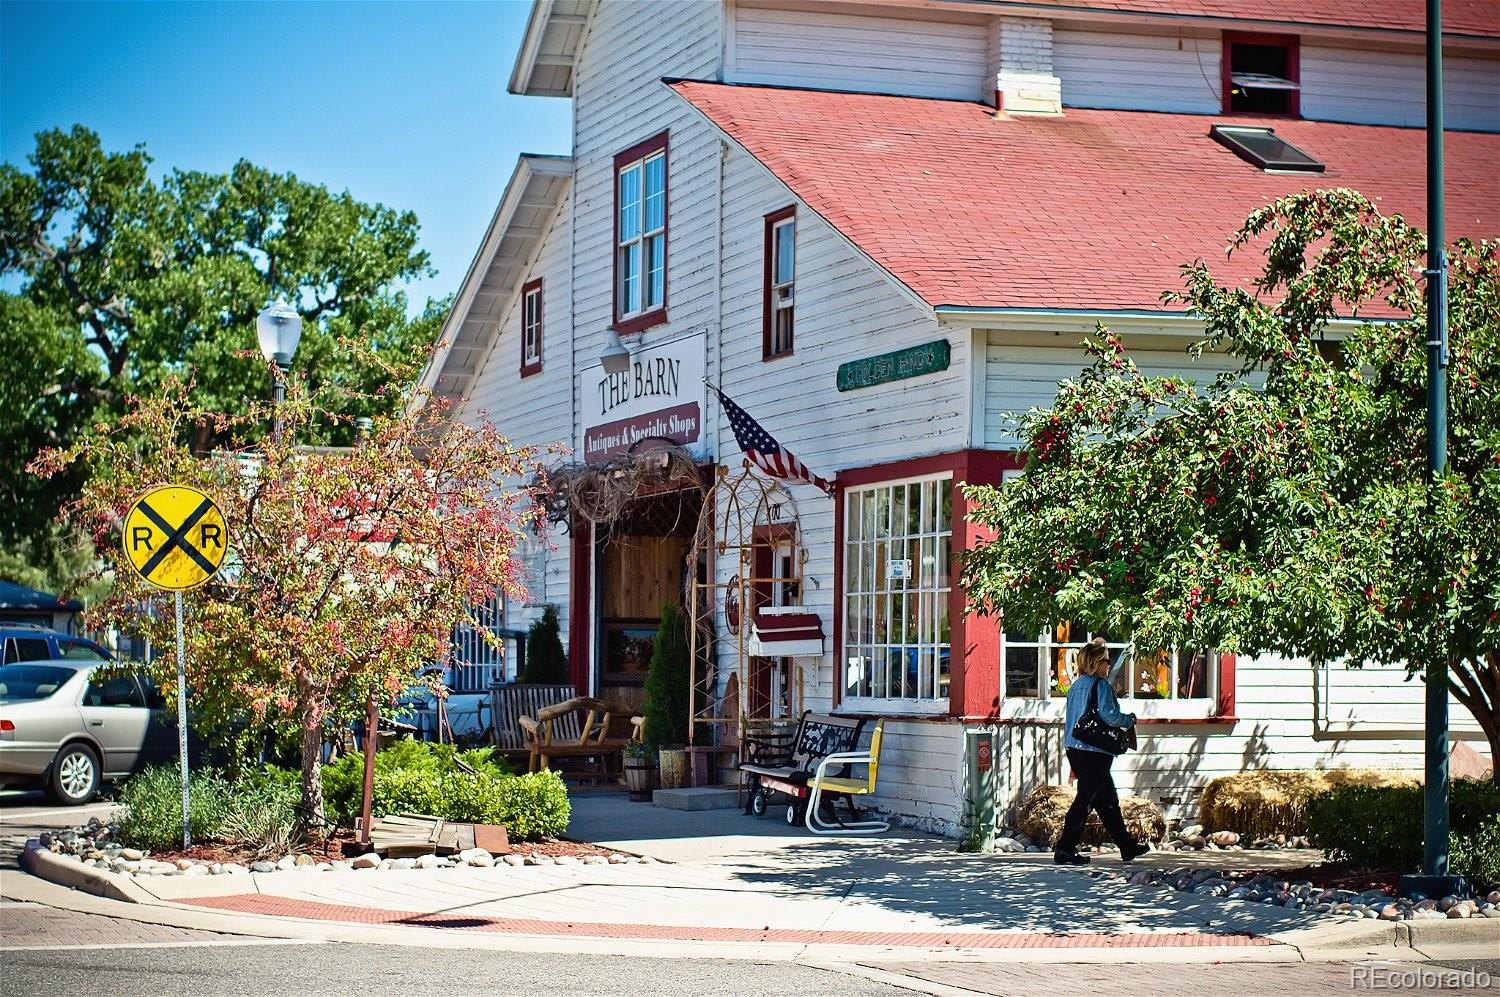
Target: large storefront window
{"x": 897, "y": 560}
{"x": 1043, "y": 667}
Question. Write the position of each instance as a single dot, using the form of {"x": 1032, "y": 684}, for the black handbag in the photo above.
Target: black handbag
{"x": 1092, "y": 729}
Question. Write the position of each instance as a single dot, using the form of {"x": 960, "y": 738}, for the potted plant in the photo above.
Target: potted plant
{"x": 667, "y": 697}
{"x": 640, "y": 772}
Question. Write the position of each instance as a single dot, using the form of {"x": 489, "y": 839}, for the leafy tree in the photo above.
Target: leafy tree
{"x": 1282, "y": 508}
{"x": 546, "y": 663}
{"x": 124, "y": 280}
{"x": 349, "y": 567}
{"x": 667, "y": 681}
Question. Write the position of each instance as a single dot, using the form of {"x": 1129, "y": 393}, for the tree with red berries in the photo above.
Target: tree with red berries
{"x": 348, "y": 568}
{"x": 1284, "y": 508}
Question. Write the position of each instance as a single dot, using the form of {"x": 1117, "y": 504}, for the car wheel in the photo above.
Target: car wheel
{"x": 75, "y": 775}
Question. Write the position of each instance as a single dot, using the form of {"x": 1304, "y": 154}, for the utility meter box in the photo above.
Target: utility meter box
{"x": 980, "y": 780}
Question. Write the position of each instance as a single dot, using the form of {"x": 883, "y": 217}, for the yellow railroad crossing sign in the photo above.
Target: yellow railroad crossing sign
{"x": 175, "y": 537}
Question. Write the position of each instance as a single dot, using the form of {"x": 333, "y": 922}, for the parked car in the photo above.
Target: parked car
{"x": 66, "y": 729}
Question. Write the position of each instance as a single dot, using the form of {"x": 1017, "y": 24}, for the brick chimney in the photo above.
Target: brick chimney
{"x": 1020, "y": 64}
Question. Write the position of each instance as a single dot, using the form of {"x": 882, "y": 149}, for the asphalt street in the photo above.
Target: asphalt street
{"x": 254, "y": 969}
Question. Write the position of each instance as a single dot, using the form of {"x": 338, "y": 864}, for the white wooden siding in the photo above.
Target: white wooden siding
{"x": 536, "y": 410}
{"x": 1377, "y": 87}
{"x": 921, "y": 55}
{"x": 1018, "y": 378}
{"x": 1138, "y": 71}
{"x": 846, "y": 308}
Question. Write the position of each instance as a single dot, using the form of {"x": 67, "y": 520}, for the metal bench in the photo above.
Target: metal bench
{"x": 789, "y": 768}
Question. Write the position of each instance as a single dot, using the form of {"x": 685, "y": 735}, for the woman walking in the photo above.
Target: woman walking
{"x": 1096, "y": 786}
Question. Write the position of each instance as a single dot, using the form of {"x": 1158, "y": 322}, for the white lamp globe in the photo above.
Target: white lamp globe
{"x": 279, "y": 329}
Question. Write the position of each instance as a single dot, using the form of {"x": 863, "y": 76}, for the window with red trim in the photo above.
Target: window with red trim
{"x": 1261, "y": 74}
{"x": 640, "y": 250}
{"x": 531, "y": 328}
{"x": 780, "y": 281}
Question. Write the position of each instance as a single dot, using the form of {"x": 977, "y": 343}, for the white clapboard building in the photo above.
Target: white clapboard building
{"x": 883, "y": 229}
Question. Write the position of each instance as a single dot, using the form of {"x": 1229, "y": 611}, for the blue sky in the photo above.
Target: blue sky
{"x": 400, "y": 103}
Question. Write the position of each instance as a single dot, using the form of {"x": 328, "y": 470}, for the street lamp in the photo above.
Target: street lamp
{"x": 279, "y": 329}
{"x": 615, "y": 358}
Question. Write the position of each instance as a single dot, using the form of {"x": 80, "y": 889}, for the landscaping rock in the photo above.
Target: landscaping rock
{"x": 595, "y": 860}
{"x": 304, "y": 860}
{"x": 286, "y": 862}
{"x": 132, "y": 854}
{"x": 1224, "y": 838}
{"x": 402, "y": 863}
{"x": 340, "y": 866}
{"x": 1009, "y": 845}
{"x": 324, "y": 866}
{"x": 429, "y": 862}
{"x": 262, "y": 866}
{"x": 566, "y": 860}
{"x": 196, "y": 870}
{"x": 477, "y": 857}
{"x": 616, "y": 858}
{"x": 514, "y": 860}
{"x": 369, "y": 860}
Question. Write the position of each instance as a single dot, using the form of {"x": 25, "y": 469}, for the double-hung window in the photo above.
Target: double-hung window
{"x": 531, "y": 328}
{"x": 781, "y": 278}
{"x": 641, "y": 235}
{"x": 898, "y": 539}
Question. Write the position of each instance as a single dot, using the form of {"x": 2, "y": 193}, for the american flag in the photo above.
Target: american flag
{"x": 764, "y": 451}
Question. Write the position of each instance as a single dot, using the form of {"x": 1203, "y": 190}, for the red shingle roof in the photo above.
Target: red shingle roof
{"x": 1463, "y": 17}
{"x": 1096, "y": 210}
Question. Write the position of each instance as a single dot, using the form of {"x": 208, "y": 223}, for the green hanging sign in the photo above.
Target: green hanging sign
{"x": 914, "y": 361}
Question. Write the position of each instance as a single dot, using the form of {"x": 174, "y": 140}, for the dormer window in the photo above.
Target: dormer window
{"x": 1261, "y": 74}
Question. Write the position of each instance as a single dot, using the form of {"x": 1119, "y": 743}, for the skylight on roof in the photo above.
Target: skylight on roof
{"x": 1262, "y": 147}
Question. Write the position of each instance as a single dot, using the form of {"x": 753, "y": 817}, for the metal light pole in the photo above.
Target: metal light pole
{"x": 279, "y": 329}
{"x": 1435, "y": 879}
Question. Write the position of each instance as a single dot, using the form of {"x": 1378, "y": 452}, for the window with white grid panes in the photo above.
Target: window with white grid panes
{"x": 898, "y": 541}
{"x": 642, "y": 235}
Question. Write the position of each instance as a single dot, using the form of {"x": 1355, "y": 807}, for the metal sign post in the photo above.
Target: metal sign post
{"x": 175, "y": 538}
{"x": 182, "y": 752}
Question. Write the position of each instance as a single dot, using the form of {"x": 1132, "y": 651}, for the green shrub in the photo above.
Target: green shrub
{"x": 546, "y": 662}
{"x": 1477, "y": 855}
{"x": 668, "y": 680}
{"x": 259, "y": 809}
{"x": 1381, "y": 827}
{"x": 534, "y": 805}
{"x": 414, "y": 777}
{"x": 153, "y": 807}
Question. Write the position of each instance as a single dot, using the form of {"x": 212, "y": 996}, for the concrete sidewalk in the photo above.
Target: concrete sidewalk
{"x": 738, "y": 887}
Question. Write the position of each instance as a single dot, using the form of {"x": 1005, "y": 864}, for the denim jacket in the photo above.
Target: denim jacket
{"x": 1108, "y": 706}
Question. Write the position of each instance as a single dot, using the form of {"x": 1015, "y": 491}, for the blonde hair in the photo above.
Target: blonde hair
{"x": 1093, "y": 658}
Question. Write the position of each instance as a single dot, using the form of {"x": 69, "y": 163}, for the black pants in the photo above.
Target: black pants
{"x": 1096, "y": 791}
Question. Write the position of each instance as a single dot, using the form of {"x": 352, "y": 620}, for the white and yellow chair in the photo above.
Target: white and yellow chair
{"x": 821, "y": 783}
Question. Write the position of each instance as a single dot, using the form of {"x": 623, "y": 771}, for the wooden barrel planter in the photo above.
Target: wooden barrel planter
{"x": 640, "y": 778}
{"x": 674, "y": 768}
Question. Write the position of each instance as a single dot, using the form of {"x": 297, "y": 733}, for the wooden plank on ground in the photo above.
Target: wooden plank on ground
{"x": 492, "y": 838}
{"x": 463, "y": 837}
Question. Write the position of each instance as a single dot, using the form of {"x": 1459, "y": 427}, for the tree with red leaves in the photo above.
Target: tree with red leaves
{"x": 348, "y": 568}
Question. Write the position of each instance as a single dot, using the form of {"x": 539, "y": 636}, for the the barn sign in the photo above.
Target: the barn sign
{"x": 914, "y": 361}
{"x": 661, "y": 397}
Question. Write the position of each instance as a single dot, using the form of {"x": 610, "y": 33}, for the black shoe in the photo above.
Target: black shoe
{"x": 1069, "y": 858}
{"x": 1134, "y": 851}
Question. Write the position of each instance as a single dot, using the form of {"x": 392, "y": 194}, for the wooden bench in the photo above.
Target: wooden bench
{"x": 786, "y": 767}
{"x": 509, "y": 703}
{"x": 604, "y": 731}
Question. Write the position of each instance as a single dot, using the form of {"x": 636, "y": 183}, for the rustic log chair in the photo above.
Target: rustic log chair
{"x": 509, "y": 703}
{"x": 605, "y": 730}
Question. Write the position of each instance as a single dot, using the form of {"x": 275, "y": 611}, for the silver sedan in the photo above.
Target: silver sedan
{"x": 67, "y": 729}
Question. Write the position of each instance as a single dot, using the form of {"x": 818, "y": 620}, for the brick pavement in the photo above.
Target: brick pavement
{"x": 1175, "y": 980}
{"x": 27, "y": 925}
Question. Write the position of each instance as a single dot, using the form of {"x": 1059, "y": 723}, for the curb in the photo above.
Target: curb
{"x": 43, "y": 864}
